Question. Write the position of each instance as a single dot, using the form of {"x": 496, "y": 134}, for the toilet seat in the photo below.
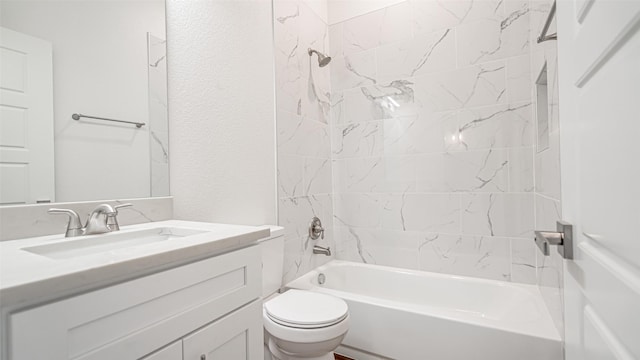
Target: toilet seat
{"x": 305, "y": 316}
{"x": 306, "y": 310}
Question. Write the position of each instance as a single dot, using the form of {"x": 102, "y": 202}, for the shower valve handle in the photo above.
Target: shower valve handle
{"x": 315, "y": 229}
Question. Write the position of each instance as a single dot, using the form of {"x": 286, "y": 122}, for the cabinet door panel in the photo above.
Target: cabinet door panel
{"x": 236, "y": 336}
{"x": 129, "y": 320}
{"x": 171, "y": 352}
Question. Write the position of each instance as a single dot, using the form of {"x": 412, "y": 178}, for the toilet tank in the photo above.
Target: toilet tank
{"x": 272, "y": 249}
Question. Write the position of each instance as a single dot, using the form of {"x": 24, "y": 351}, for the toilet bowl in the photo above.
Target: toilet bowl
{"x": 298, "y": 324}
{"x": 304, "y": 325}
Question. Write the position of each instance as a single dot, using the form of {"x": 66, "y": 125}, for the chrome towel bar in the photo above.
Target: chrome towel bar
{"x": 78, "y": 116}
{"x": 543, "y": 36}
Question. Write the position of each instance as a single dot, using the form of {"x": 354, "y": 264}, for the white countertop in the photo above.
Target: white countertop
{"x": 27, "y": 278}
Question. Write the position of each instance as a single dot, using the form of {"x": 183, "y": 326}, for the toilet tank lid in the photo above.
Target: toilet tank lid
{"x": 276, "y": 231}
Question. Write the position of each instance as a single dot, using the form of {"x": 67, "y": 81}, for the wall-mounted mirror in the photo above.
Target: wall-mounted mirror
{"x": 101, "y": 59}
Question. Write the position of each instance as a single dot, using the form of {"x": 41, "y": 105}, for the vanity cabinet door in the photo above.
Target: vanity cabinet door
{"x": 237, "y": 336}
{"x": 171, "y": 352}
{"x": 134, "y": 318}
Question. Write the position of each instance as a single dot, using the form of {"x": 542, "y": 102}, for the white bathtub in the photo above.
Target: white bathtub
{"x": 405, "y": 314}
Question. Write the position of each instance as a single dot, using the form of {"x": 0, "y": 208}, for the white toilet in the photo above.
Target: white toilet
{"x": 298, "y": 324}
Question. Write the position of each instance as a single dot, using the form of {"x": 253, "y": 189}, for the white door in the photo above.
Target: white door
{"x": 26, "y": 119}
{"x": 599, "y": 73}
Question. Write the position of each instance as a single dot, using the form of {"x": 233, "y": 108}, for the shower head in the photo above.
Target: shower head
{"x": 323, "y": 60}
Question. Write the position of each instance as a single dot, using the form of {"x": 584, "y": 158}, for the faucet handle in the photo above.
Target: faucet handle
{"x": 74, "y": 226}
{"x": 315, "y": 228}
{"x": 112, "y": 219}
{"x": 122, "y": 206}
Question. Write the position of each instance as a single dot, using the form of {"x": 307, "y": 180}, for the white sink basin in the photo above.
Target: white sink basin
{"x": 87, "y": 245}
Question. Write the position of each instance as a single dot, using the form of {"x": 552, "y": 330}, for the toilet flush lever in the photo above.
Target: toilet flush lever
{"x": 315, "y": 229}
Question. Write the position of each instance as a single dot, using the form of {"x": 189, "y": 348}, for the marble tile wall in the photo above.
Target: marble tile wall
{"x": 158, "y": 116}
{"x": 432, "y": 137}
{"x": 303, "y": 111}
{"x": 547, "y": 164}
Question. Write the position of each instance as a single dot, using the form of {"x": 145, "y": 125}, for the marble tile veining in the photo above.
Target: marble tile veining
{"x": 158, "y": 116}
{"x": 478, "y": 256}
{"x": 386, "y": 247}
{"x": 548, "y": 207}
{"x": 523, "y": 261}
{"x": 467, "y": 87}
{"x": 472, "y": 171}
{"x": 495, "y": 37}
{"x": 357, "y": 140}
{"x": 519, "y": 78}
{"x": 419, "y": 56}
{"x": 429, "y": 16}
{"x": 377, "y": 28}
{"x": 508, "y": 214}
{"x": 422, "y": 212}
{"x": 304, "y": 109}
{"x": 426, "y": 118}
{"x": 499, "y": 126}
{"x": 294, "y": 132}
{"x": 353, "y": 70}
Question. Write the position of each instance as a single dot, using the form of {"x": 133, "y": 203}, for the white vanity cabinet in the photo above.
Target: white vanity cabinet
{"x": 172, "y": 351}
{"x": 208, "y": 309}
{"x": 236, "y": 336}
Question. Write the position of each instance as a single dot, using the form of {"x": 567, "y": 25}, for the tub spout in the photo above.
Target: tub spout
{"x": 322, "y": 250}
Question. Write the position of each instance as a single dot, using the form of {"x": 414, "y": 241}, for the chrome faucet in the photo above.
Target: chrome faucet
{"x": 103, "y": 219}
{"x": 97, "y": 222}
{"x": 322, "y": 250}
{"x": 317, "y": 231}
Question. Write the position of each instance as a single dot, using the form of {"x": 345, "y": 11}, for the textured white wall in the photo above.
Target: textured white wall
{"x": 221, "y": 110}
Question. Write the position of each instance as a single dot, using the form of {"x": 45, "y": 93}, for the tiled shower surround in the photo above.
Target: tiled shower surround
{"x": 426, "y": 118}
{"x": 432, "y": 130}
{"x": 547, "y": 165}
{"x": 304, "y": 144}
